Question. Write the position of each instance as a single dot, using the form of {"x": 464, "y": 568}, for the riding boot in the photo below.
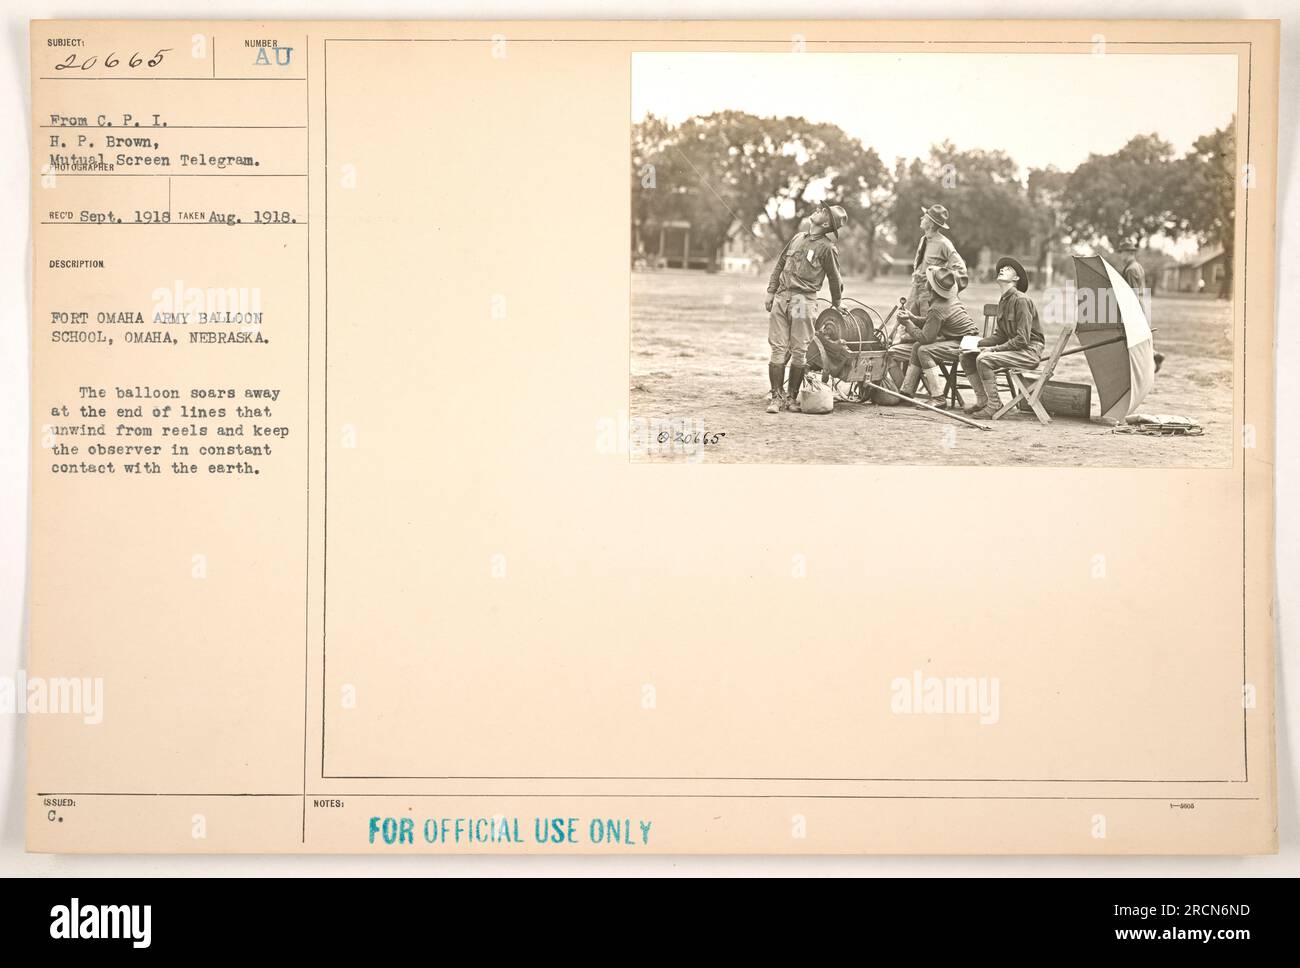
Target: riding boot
{"x": 796, "y": 381}
{"x": 935, "y": 386}
{"x": 910, "y": 379}
{"x": 977, "y": 386}
{"x": 992, "y": 399}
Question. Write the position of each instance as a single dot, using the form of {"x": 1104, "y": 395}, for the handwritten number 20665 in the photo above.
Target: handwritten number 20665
{"x": 112, "y": 60}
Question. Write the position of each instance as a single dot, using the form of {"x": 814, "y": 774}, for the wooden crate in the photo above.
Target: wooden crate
{"x": 1061, "y": 399}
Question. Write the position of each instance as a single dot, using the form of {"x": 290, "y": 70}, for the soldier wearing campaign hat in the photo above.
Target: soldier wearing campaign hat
{"x": 934, "y": 249}
{"x": 937, "y": 338}
{"x": 1136, "y": 277}
{"x": 808, "y": 259}
{"x": 1131, "y": 269}
{"x": 1017, "y": 339}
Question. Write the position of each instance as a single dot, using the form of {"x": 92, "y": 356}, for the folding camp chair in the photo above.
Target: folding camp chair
{"x": 952, "y": 372}
{"x": 1028, "y": 385}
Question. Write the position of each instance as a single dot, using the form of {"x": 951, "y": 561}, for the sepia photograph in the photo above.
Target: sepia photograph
{"x": 924, "y": 258}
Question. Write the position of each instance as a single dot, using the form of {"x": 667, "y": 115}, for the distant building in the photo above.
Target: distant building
{"x": 1203, "y": 272}
{"x": 671, "y": 244}
{"x": 669, "y": 247}
{"x": 740, "y": 253}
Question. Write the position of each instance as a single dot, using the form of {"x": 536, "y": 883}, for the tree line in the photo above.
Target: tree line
{"x": 732, "y": 171}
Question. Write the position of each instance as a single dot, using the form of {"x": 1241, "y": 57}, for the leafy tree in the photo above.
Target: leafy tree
{"x": 982, "y": 191}
{"x": 1046, "y": 191}
{"x": 821, "y": 152}
{"x": 1123, "y": 194}
{"x": 1204, "y": 194}
{"x": 732, "y": 171}
{"x": 650, "y": 136}
{"x": 863, "y": 185}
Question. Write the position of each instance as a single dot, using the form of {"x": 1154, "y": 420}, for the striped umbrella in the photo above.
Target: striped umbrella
{"x": 1115, "y": 335}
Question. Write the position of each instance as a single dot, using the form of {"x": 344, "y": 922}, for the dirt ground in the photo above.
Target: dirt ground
{"x": 699, "y": 388}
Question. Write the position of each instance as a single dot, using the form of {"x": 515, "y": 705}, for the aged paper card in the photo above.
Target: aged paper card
{"x": 652, "y": 437}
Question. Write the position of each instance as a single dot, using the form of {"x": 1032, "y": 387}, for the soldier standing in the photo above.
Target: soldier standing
{"x": 1132, "y": 270}
{"x": 934, "y": 249}
{"x": 808, "y": 259}
{"x": 1136, "y": 277}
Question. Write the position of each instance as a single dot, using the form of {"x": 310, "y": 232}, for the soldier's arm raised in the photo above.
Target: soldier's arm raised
{"x": 831, "y": 263}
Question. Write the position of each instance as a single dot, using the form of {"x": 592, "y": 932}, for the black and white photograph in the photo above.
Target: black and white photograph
{"x": 935, "y": 258}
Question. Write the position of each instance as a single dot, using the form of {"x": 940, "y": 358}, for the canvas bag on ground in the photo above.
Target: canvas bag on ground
{"x": 816, "y": 396}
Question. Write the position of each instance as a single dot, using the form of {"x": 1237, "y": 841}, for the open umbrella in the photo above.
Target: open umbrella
{"x": 1115, "y": 335}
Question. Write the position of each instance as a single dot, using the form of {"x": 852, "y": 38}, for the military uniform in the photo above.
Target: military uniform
{"x": 808, "y": 259}
{"x": 804, "y": 264}
{"x": 931, "y": 252}
{"x": 1017, "y": 339}
{"x": 1135, "y": 275}
{"x": 1017, "y": 342}
{"x": 934, "y": 253}
{"x": 939, "y": 340}
{"x": 946, "y": 321}
{"x": 937, "y": 251}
